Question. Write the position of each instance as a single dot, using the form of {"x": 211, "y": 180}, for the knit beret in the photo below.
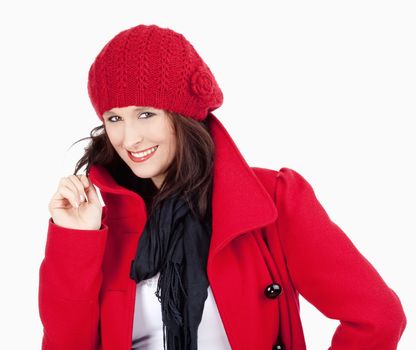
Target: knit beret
{"x": 147, "y": 65}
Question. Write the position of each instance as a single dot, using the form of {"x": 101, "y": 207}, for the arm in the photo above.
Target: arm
{"x": 330, "y": 272}
{"x": 70, "y": 278}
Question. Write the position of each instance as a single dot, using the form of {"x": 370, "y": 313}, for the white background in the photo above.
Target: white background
{"x": 324, "y": 87}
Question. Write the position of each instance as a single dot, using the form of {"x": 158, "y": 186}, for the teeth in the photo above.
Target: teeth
{"x": 143, "y": 154}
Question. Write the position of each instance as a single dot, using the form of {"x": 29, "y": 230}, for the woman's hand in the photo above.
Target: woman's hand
{"x": 68, "y": 210}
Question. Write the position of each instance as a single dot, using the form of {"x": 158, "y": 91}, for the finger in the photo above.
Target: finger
{"x": 79, "y": 187}
{"x": 66, "y": 182}
{"x": 64, "y": 196}
{"x": 84, "y": 180}
{"x": 85, "y": 183}
{"x": 91, "y": 192}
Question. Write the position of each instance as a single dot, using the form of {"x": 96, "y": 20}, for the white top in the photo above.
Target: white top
{"x": 148, "y": 325}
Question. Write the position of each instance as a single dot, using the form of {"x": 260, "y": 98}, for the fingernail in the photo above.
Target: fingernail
{"x": 82, "y": 197}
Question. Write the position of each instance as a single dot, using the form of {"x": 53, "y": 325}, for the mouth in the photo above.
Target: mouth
{"x": 142, "y": 156}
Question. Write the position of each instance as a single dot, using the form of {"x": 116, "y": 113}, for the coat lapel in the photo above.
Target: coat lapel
{"x": 240, "y": 202}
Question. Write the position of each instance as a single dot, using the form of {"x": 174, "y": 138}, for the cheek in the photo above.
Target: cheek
{"x": 114, "y": 137}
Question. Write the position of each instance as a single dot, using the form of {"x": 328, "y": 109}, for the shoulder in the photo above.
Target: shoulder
{"x": 284, "y": 184}
{"x": 269, "y": 177}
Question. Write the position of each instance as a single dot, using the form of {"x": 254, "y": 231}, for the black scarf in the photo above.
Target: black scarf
{"x": 175, "y": 243}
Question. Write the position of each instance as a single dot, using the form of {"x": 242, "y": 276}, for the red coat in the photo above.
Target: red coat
{"x": 268, "y": 227}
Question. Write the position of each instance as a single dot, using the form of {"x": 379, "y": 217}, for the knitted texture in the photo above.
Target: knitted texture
{"x": 147, "y": 65}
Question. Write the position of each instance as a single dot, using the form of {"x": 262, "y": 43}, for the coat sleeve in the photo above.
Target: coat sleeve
{"x": 330, "y": 272}
{"x": 70, "y": 278}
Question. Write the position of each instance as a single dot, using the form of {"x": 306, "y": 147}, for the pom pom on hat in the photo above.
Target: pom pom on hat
{"x": 147, "y": 65}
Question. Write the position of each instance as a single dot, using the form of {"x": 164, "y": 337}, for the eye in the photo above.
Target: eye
{"x": 150, "y": 114}
{"x": 112, "y": 121}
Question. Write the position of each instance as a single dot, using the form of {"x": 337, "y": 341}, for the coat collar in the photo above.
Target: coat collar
{"x": 240, "y": 203}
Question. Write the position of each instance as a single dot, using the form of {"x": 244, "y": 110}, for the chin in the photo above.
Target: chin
{"x": 144, "y": 174}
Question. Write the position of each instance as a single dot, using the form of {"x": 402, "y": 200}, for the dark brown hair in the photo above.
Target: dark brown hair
{"x": 189, "y": 174}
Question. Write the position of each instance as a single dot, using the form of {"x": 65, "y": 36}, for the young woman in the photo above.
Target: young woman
{"x": 193, "y": 249}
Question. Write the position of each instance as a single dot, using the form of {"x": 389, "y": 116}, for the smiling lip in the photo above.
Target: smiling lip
{"x": 142, "y": 159}
{"x": 143, "y": 150}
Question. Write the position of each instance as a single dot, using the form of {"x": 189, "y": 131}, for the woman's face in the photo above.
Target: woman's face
{"x": 137, "y": 129}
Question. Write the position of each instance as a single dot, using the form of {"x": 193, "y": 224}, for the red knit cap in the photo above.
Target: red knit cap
{"x": 151, "y": 66}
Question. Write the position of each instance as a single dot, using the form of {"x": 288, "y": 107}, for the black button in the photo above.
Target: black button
{"x": 273, "y": 290}
{"x": 279, "y": 346}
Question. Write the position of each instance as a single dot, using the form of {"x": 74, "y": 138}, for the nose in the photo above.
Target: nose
{"x": 132, "y": 138}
